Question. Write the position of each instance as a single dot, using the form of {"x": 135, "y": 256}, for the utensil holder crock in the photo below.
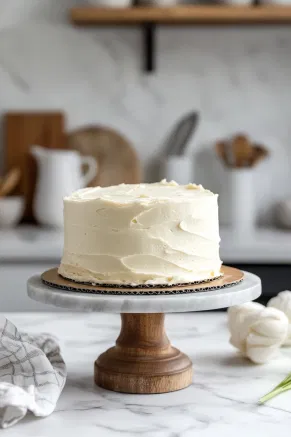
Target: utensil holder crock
{"x": 242, "y": 201}
{"x": 178, "y": 168}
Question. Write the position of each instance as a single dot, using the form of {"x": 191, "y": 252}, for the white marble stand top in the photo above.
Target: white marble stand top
{"x": 221, "y": 402}
{"x": 248, "y": 289}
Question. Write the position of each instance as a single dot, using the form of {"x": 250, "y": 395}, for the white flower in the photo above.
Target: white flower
{"x": 283, "y": 303}
{"x": 257, "y": 331}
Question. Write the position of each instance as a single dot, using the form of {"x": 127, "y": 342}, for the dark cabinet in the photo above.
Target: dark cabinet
{"x": 275, "y": 278}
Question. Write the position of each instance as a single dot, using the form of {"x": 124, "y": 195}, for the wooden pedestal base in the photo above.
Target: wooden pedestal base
{"x": 143, "y": 360}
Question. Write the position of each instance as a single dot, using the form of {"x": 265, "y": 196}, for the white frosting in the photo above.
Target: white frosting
{"x": 160, "y": 233}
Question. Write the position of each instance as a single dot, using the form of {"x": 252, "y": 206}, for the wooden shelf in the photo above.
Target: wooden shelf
{"x": 150, "y": 17}
{"x": 182, "y": 15}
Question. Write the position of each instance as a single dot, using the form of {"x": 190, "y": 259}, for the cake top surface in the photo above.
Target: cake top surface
{"x": 143, "y": 193}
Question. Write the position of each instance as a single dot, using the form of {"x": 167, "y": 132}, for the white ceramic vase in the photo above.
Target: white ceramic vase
{"x": 177, "y": 168}
{"x": 242, "y": 202}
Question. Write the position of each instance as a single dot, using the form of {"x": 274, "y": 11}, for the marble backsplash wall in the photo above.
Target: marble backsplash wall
{"x": 238, "y": 78}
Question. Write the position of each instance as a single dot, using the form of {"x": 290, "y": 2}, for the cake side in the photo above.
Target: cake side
{"x": 159, "y": 233}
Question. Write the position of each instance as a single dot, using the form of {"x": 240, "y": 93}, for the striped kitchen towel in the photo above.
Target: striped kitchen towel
{"x": 32, "y": 374}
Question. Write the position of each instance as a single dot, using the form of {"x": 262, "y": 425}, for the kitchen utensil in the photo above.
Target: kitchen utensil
{"x": 220, "y": 149}
{"x": 179, "y": 137}
{"x": 242, "y": 150}
{"x": 224, "y": 151}
{"x": 11, "y": 210}
{"x": 117, "y": 160}
{"x": 259, "y": 153}
{"x": 59, "y": 174}
{"x": 21, "y": 131}
{"x": 10, "y": 182}
{"x": 239, "y": 152}
{"x": 229, "y": 152}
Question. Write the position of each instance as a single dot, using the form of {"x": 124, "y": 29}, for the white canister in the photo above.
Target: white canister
{"x": 178, "y": 168}
{"x": 242, "y": 201}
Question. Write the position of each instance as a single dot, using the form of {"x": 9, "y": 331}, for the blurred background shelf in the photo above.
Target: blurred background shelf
{"x": 30, "y": 250}
{"x": 179, "y": 15}
{"x": 31, "y": 243}
{"x": 149, "y": 17}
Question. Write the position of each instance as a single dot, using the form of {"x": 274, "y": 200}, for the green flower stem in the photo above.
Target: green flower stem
{"x": 285, "y": 385}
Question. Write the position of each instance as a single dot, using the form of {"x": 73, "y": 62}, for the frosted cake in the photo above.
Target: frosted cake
{"x": 145, "y": 234}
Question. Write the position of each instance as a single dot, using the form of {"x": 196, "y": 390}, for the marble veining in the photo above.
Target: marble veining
{"x": 221, "y": 402}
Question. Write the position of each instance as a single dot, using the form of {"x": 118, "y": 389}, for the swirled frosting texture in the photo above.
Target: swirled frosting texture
{"x": 161, "y": 233}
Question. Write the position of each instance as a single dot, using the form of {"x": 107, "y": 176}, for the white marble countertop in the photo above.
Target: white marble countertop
{"x": 220, "y": 402}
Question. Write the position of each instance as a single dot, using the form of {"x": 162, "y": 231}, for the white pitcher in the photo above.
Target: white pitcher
{"x": 59, "y": 174}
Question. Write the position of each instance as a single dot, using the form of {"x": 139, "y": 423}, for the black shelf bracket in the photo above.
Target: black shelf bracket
{"x": 149, "y": 47}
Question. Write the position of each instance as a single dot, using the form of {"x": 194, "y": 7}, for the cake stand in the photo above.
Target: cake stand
{"x": 143, "y": 360}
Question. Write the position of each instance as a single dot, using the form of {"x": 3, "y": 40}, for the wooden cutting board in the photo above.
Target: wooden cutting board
{"x": 21, "y": 131}
{"x": 117, "y": 160}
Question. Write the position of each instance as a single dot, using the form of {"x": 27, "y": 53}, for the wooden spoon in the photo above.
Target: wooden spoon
{"x": 242, "y": 150}
{"x": 9, "y": 182}
{"x": 258, "y": 154}
{"x": 220, "y": 148}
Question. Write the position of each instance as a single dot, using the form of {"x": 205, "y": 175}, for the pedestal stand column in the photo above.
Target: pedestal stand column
{"x": 143, "y": 360}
